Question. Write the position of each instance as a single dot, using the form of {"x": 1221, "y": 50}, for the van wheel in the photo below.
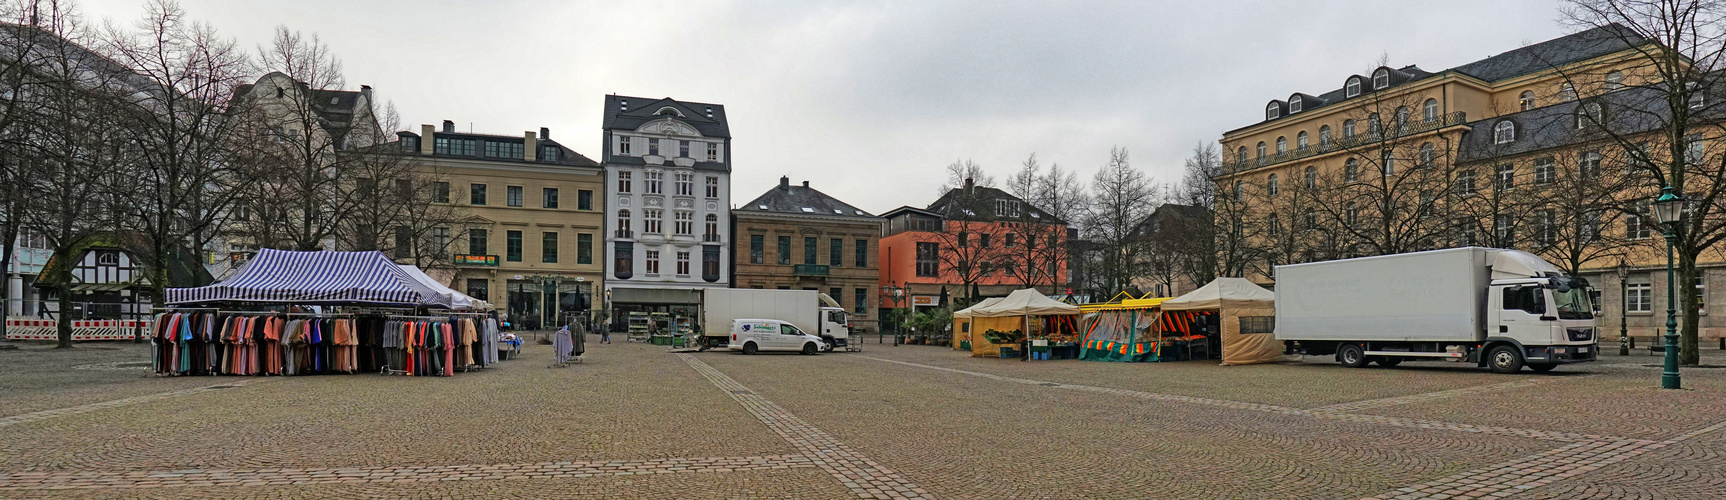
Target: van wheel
{"x": 749, "y": 348}
{"x": 1388, "y": 361}
{"x": 1504, "y": 359}
{"x": 1542, "y": 367}
{"x": 1351, "y": 355}
{"x": 809, "y": 349}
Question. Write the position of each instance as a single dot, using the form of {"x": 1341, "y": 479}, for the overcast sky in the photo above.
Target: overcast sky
{"x": 869, "y": 101}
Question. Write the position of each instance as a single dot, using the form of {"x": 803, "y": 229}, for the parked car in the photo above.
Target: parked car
{"x": 750, "y": 336}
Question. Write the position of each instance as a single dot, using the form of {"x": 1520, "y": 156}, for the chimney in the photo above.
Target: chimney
{"x": 366, "y": 90}
{"x": 529, "y": 146}
{"x": 970, "y": 185}
{"x": 805, "y": 183}
{"x": 784, "y": 182}
{"x": 544, "y": 134}
{"x": 449, "y": 127}
{"x": 426, "y": 139}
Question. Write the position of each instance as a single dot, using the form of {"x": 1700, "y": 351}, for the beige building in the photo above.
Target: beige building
{"x": 798, "y": 238}
{"x": 530, "y": 211}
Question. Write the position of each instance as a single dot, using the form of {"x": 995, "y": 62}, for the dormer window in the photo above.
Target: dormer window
{"x": 1526, "y": 100}
{"x": 1271, "y": 111}
{"x": 1294, "y": 104}
{"x": 1504, "y": 132}
{"x": 1380, "y": 79}
{"x": 1352, "y": 88}
{"x": 1566, "y": 92}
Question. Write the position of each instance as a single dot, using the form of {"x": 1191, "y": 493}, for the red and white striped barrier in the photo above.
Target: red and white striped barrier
{"x": 82, "y": 329}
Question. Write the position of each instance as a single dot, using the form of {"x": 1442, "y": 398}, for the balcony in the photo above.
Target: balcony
{"x": 809, "y": 270}
{"x": 1355, "y": 143}
{"x": 623, "y": 234}
{"x": 710, "y": 238}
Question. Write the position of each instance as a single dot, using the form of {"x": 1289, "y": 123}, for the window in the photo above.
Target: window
{"x": 1427, "y": 155}
{"x": 1282, "y": 145}
{"x": 548, "y": 247}
{"x": 1374, "y": 128}
{"x": 476, "y": 194}
{"x": 548, "y": 197}
{"x": 624, "y": 264}
{"x": 784, "y": 255}
{"x": 512, "y": 246}
{"x": 983, "y": 240}
{"x": 1547, "y": 232}
{"x": 476, "y": 242}
{"x": 1466, "y": 233}
{"x": 1272, "y": 111}
{"x": 1401, "y": 119}
{"x": 440, "y": 240}
{"x": 440, "y": 192}
{"x": 1697, "y": 98}
{"x": 583, "y": 248}
{"x": 624, "y": 182}
{"x": 928, "y": 259}
{"x": 655, "y": 182}
{"x": 1429, "y": 110}
{"x": 1312, "y": 177}
{"x": 1465, "y": 183}
{"x": 683, "y": 263}
{"x": 710, "y": 263}
{"x": 1636, "y": 225}
{"x": 712, "y": 227}
{"x": 1311, "y": 219}
{"x": 1504, "y": 132}
{"x": 1347, "y": 129}
{"x": 1544, "y": 171}
{"x": 404, "y": 242}
{"x": 1301, "y": 141}
{"x": 685, "y": 184}
{"x": 652, "y": 262}
{"x": 1380, "y": 79}
{"x": 1274, "y": 227}
{"x": 809, "y": 251}
{"x": 712, "y": 187}
{"x": 1504, "y": 177}
{"x": 1566, "y": 92}
{"x": 862, "y": 253}
{"x": 757, "y": 248}
{"x": 1505, "y": 230}
{"x": 549, "y": 153}
{"x": 1294, "y": 104}
{"x": 583, "y": 199}
{"x": 1239, "y": 189}
{"x": 1350, "y": 213}
{"x": 1271, "y": 185}
{"x": 623, "y": 223}
{"x": 862, "y": 304}
{"x": 1588, "y": 227}
{"x": 1351, "y": 170}
{"x": 712, "y": 151}
{"x": 1258, "y": 324}
{"x": 683, "y": 151}
{"x": 1701, "y": 295}
{"x": 1590, "y": 114}
{"x": 653, "y": 221}
{"x": 1614, "y": 80}
{"x": 685, "y": 222}
{"x": 500, "y": 149}
{"x": 1526, "y": 100}
{"x": 836, "y": 252}
{"x": 1640, "y": 298}
{"x": 1528, "y": 299}
{"x": 1012, "y": 239}
{"x": 653, "y": 149}
{"x": 450, "y": 146}
{"x": 1694, "y": 149}
{"x": 1324, "y": 136}
{"x": 1427, "y": 201}
{"x": 1241, "y": 155}
{"x": 1589, "y": 165}
{"x": 1261, "y": 150}
{"x": 1388, "y": 160}
{"x": 623, "y": 144}
{"x": 512, "y": 196}
{"x": 1352, "y": 88}
{"x": 476, "y": 288}
{"x": 1007, "y": 208}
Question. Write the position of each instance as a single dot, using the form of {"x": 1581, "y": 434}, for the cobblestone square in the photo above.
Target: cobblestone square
{"x": 637, "y": 421}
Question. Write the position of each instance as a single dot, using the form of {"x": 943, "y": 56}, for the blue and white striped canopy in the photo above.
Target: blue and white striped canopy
{"x": 310, "y": 278}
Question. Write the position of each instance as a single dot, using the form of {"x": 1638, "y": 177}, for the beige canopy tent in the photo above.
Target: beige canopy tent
{"x": 963, "y": 323}
{"x": 1010, "y": 313}
{"x": 1237, "y": 302}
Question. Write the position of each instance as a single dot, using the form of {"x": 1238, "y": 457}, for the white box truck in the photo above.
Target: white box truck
{"x": 811, "y": 311}
{"x": 1501, "y": 309}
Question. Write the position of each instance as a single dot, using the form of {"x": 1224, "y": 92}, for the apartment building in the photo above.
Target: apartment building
{"x": 797, "y": 238}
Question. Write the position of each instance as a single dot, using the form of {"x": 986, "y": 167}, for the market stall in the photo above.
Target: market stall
{"x": 1008, "y": 322}
{"x": 964, "y": 324}
{"x": 1243, "y": 316}
{"x": 1121, "y": 330}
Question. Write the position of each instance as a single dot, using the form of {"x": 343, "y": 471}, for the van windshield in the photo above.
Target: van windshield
{"x": 1573, "y": 304}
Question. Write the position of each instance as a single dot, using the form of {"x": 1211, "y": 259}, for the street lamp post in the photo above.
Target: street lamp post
{"x": 897, "y": 293}
{"x": 1623, "y": 271}
{"x": 1668, "y": 209}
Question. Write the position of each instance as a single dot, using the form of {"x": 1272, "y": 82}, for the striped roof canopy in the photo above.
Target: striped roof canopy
{"x": 312, "y": 278}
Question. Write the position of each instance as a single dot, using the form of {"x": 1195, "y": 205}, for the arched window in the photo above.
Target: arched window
{"x": 1282, "y": 145}
{"x": 1426, "y": 155}
{"x": 1589, "y": 115}
{"x": 1380, "y": 79}
{"x": 1271, "y": 185}
{"x": 623, "y": 223}
{"x": 1429, "y": 110}
{"x": 1527, "y": 100}
{"x": 1240, "y": 188}
{"x": 1324, "y": 136}
{"x": 1351, "y": 170}
{"x": 1301, "y": 141}
{"x": 1294, "y": 104}
{"x": 1566, "y": 92}
{"x": 1352, "y": 88}
{"x": 1401, "y": 119}
{"x": 1312, "y": 177}
{"x": 1273, "y": 226}
{"x": 1614, "y": 80}
{"x": 712, "y": 225}
{"x": 1241, "y": 157}
{"x": 1261, "y": 150}
{"x": 1374, "y": 129}
{"x": 1350, "y": 213}
{"x": 1388, "y": 160}
{"x": 1504, "y": 132}
{"x": 1347, "y": 129}
{"x": 1271, "y": 111}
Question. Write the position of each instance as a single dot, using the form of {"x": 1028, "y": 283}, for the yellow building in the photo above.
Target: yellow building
{"x": 530, "y": 212}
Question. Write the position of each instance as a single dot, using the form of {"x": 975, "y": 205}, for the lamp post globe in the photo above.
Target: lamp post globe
{"x": 1669, "y": 210}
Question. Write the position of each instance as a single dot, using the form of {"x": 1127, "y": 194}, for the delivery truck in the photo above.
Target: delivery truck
{"x": 811, "y": 311}
{"x": 1500, "y": 309}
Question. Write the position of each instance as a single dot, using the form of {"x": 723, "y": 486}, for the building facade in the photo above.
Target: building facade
{"x": 798, "y": 238}
{"x": 973, "y": 242}
{"x": 527, "y": 222}
{"x": 668, "y": 172}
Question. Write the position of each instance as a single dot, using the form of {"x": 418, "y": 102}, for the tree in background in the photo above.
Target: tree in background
{"x": 1121, "y": 197}
{"x": 1034, "y": 241}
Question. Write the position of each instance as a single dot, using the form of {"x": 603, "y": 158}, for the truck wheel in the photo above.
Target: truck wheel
{"x": 749, "y": 348}
{"x": 1504, "y": 359}
{"x": 1542, "y": 367}
{"x": 1351, "y": 355}
{"x": 809, "y": 349}
{"x": 1388, "y": 361}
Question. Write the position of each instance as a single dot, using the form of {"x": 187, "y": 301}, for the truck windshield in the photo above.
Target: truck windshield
{"x": 1573, "y": 304}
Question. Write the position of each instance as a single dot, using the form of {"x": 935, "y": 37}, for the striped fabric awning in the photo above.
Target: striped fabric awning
{"x": 280, "y": 276}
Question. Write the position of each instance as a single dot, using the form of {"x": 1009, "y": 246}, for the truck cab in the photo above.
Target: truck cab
{"x": 835, "y": 328}
{"x": 1547, "y": 321}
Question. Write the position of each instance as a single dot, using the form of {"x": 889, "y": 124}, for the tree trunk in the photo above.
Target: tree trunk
{"x": 8, "y": 232}
{"x": 1689, "y": 331}
{"x": 63, "y": 327}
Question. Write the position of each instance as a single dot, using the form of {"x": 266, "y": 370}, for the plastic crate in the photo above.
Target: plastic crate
{"x": 1009, "y": 352}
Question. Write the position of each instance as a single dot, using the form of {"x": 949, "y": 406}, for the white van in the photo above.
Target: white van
{"x": 754, "y": 335}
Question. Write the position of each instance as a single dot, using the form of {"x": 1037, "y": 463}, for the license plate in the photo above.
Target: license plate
{"x": 1583, "y": 350}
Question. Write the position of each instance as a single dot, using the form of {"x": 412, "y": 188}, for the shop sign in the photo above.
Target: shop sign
{"x": 475, "y": 260}
{"x": 925, "y": 300}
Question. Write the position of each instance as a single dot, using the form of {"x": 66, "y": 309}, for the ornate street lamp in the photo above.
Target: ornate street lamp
{"x": 1623, "y": 271}
{"x": 897, "y": 293}
{"x": 1669, "y": 210}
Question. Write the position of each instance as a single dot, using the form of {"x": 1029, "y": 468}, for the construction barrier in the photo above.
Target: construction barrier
{"x": 82, "y": 329}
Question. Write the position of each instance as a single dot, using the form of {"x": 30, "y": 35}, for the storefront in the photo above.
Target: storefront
{"x": 547, "y": 303}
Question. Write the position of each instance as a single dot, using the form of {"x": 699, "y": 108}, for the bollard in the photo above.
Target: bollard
{"x": 1632, "y": 343}
{"x": 1723, "y": 343}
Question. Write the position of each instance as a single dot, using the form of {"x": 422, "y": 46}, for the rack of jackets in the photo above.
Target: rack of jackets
{"x": 254, "y": 343}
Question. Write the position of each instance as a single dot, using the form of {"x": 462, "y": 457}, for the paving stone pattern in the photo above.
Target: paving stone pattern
{"x": 74, "y": 410}
{"x": 864, "y": 477}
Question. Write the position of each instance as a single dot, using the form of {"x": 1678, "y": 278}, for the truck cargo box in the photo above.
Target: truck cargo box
{"x": 1437, "y": 295}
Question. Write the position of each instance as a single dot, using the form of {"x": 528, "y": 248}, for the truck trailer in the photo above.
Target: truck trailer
{"x": 811, "y": 311}
{"x": 1500, "y": 309}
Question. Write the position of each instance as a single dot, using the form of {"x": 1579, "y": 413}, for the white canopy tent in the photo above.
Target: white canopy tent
{"x": 458, "y": 300}
{"x": 1234, "y": 299}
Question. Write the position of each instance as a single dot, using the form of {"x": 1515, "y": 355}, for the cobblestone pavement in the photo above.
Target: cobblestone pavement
{"x": 634, "y": 421}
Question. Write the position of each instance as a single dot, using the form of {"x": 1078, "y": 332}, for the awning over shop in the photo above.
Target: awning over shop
{"x": 279, "y": 276}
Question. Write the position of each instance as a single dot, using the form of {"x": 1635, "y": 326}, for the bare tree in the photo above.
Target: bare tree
{"x": 961, "y": 170}
{"x": 400, "y": 206}
{"x": 1121, "y": 197}
{"x": 971, "y": 243}
{"x": 1034, "y": 241}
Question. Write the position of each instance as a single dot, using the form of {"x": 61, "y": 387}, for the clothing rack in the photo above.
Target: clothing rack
{"x": 185, "y": 309}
